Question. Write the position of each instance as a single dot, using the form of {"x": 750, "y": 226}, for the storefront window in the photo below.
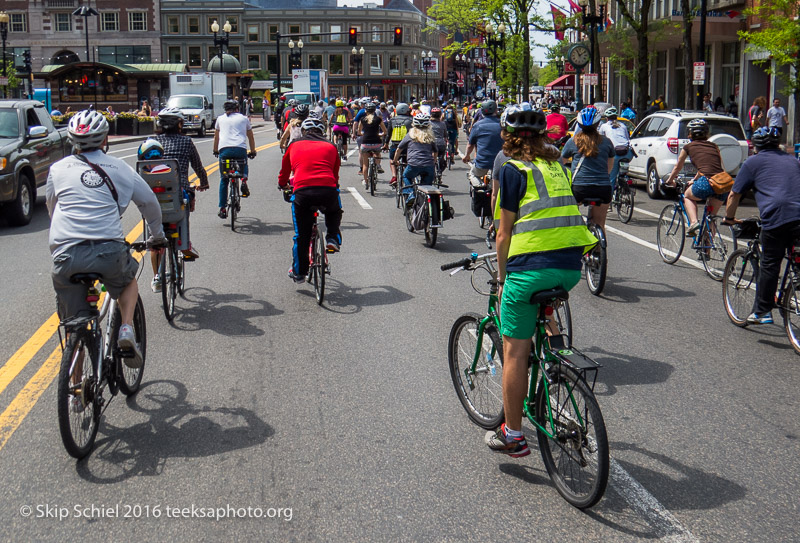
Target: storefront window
{"x": 335, "y": 64}
{"x": 79, "y": 85}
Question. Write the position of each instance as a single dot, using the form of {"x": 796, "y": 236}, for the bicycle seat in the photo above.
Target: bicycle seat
{"x": 429, "y": 190}
{"x": 85, "y": 278}
{"x": 544, "y": 296}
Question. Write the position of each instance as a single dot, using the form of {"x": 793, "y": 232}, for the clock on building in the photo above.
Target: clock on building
{"x": 579, "y": 55}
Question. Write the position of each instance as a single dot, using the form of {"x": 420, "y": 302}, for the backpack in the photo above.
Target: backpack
{"x": 449, "y": 116}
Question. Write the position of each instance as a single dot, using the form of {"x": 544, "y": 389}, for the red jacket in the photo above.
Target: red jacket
{"x": 315, "y": 163}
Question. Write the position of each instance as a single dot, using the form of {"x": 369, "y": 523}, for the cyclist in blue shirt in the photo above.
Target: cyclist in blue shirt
{"x": 774, "y": 177}
{"x": 485, "y": 136}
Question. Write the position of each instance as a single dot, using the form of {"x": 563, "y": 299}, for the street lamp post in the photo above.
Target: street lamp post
{"x": 494, "y": 43}
{"x": 296, "y": 57}
{"x": 357, "y": 58}
{"x": 590, "y": 16}
{"x": 427, "y": 62}
{"x": 220, "y": 41}
{"x": 463, "y": 65}
{"x": 4, "y": 36}
{"x": 85, "y": 12}
{"x": 560, "y": 65}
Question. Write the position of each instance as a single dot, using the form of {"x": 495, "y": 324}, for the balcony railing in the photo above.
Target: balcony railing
{"x": 60, "y": 3}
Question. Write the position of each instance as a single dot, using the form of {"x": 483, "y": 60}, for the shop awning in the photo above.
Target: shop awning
{"x": 565, "y": 82}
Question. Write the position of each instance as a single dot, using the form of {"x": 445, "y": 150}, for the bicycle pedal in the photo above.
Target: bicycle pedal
{"x": 125, "y": 353}
{"x": 187, "y": 258}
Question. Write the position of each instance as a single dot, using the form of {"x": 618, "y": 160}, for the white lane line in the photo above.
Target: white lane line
{"x": 656, "y": 215}
{"x": 350, "y": 153}
{"x": 648, "y": 507}
{"x": 360, "y": 199}
{"x": 653, "y": 246}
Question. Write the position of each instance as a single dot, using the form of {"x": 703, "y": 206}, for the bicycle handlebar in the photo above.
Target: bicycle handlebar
{"x": 463, "y": 263}
{"x": 466, "y": 263}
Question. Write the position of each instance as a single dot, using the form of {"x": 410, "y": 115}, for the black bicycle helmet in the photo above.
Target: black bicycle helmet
{"x": 766, "y": 138}
{"x": 520, "y": 117}
{"x": 230, "y": 105}
{"x": 489, "y": 107}
{"x": 697, "y": 128}
{"x": 301, "y": 110}
{"x": 370, "y": 107}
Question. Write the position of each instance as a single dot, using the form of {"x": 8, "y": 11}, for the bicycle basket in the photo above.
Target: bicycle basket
{"x": 447, "y": 211}
{"x": 420, "y": 214}
{"x": 747, "y": 229}
{"x": 481, "y": 201}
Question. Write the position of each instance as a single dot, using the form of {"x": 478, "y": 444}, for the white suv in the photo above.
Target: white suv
{"x": 659, "y": 138}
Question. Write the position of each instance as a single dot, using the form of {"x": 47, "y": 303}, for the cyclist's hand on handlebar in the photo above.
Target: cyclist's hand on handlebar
{"x": 203, "y": 186}
{"x": 216, "y": 154}
{"x": 730, "y": 222}
{"x": 251, "y": 154}
{"x": 157, "y": 240}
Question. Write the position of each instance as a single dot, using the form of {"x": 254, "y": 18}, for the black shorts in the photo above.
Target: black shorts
{"x": 601, "y": 193}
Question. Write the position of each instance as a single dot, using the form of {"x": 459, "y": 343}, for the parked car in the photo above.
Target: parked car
{"x": 29, "y": 145}
{"x": 659, "y": 138}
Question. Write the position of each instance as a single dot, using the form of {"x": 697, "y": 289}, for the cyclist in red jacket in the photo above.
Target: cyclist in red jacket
{"x": 315, "y": 163}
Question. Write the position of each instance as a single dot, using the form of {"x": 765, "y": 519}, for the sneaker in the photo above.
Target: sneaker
{"x": 190, "y": 253}
{"x": 360, "y": 171}
{"x": 156, "y": 284}
{"x": 298, "y": 279}
{"x": 223, "y": 213}
{"x": 393, "y": 182}
{"x": 380, "y": 170}
{"x": 344, "y": 158}
{"x": 126, "y": 340}
{"x": 513, "y": 447}
{"x": 693, "y": 228}
{"x": 245, "y": 190}
{"x": 332, "y": 246}
{"x": 755, "y": 318}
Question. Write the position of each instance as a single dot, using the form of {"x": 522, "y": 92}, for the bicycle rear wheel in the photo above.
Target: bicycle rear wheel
{"x": 563, "y": 318}
{"x": 180, "y": 269}
{"x": 167, "y": 273}
{"x": 78, "y": 412}
{"x": 481, "y": 392}
{"x": 624, "y": 202}
{"x": 233, "y": 205}
{"x": 430, "y": 232}
{"x": 398, "y": 187}
{"x": 319, "y": 268}
{"x": 408, "y": 211}
{"x": 577, "y": 458}
{"x": 596, "y": 262}
{"x": 372, "y": 176}
{"x": 129, "y": 379}
{"x": 670, "y": 233}
{"x": 715, "y": 248}
{"x": 791, "y": 312}
{"x": 739, "y": 286}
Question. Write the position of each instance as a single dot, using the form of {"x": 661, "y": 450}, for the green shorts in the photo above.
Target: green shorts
{"x": 517, "y": 314}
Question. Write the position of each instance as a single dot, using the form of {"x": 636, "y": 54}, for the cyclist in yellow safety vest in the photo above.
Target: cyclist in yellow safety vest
{"x": 399, "y": 125}
{"x": 541, "y": 239}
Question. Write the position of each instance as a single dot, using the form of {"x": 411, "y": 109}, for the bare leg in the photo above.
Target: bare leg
{"x": 127, "y": 302}
{"x": 691, "y": 206}
{"x": 598, "y": 215}
{"x": 515, "y": 379}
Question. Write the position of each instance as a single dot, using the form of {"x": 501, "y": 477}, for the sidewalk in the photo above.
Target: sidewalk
{"x": 117, "y": 140}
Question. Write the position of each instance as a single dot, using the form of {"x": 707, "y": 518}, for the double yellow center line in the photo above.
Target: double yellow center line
{"x": 21, "y": 405}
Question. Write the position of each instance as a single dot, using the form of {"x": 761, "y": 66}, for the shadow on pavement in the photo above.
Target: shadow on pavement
{"x": 624, "y": 370}
{"x": 39, "y": 220}
{"x": 256, "y": 227}
{"x": 619, "y": 289}
{"x": 526, "y": 473}
{"x": 340, "y": 298}
{"x": 175, "y": 429}
{"x": 454, "y": 243}
{"x": 226, "y": 314}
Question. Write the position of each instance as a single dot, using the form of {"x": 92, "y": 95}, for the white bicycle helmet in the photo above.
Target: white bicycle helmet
{"x": 87, "y": 130}
{"x": 422, "y": 120}
{"x": 312, "y": 123}
{"x": 169, "y": 117}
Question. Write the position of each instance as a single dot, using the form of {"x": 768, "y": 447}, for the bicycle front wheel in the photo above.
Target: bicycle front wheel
{"x": 670, "y": 233}
{"x": 739, "y": 286}
{"x": 576, "y": 457}
{"x": 717, "y": 243}
{"x": 791, "y": 312}
{"x": 167, "y": 275}
{"x": 480, "y": 391}
{"x": 624, "y": 203}
{"x": 78, "y": 412}
{"x": 596, "y": 262}
{"x": 129, "y": 379}
{"x": 319, "y": 268}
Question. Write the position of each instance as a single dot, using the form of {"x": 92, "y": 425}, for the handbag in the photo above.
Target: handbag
{"x": 721, "y": 182}
{"x": 621, "y": 150}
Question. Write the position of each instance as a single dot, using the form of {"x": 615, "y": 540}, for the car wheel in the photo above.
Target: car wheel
{"x": 20, "y": 211}
{"x": 202, "y": 131}
{"x": 653, "y": 182}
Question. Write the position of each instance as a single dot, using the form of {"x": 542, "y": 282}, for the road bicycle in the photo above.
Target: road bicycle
{"x": 318, "y": 265}
{"x": 339, "y": 141}
{"x": 171, "y": 271}
{"x": 372, "y": 174}
{"x": 481, "y": 198}
{"x": 560, "y": 403}
{"x": 595, "y": 261}
{"x": 426, "y": 211}
{"x": 92, "y": 362}
{"x": 450, "y": 155}
{"x": 740, "y": 280}
{"x": 713, "y": 241}
{"x": 622, "y": 196}
{"x": 398, "y": 187}
{"x": 233, "y": 171}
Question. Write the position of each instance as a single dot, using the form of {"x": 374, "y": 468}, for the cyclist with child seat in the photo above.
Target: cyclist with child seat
{"x": 419, "y": 146}
{"x": 232, "y": 133}
{"x": 86, "y": 236}
{"x": 301, "y": 112}
{"x": 592, "y": 161}
{"x": 399, "y": 126}
{"x": 541, "y": 239}
{"x": 341, "y": 126}
{"x": 618, "y": 134}
{"x": 314, "y": 162}
{"x": 706, "y": 158}
{"x": 371, "y": 130}
{"x": 774, "y": 177}
{"x": 440, "y": 134}
{"x": 485, "y": 137}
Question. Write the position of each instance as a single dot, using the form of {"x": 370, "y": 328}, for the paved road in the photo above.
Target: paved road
{"x": 345, "y": 416}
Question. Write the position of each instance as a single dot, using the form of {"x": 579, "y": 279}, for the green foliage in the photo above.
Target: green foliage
{"x": 779, "y": 35}
{"x": 548, "y": 74}
{"x": 14, "y": 80}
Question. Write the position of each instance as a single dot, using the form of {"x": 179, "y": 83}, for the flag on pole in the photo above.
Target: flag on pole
{"x": 559, "y": 18}
{"x": 574, "y": 6}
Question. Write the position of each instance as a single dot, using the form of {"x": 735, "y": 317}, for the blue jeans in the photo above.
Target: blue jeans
{"x": 615, "y": 171}
{"x": 231, "y": 153}
{"x": 425, "y": 174}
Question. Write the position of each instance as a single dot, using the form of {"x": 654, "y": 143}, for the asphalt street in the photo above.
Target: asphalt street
{"x": 340, "y": 422}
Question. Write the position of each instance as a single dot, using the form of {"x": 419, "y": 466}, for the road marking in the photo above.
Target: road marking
{"x": 656, "y": 216}
{"x": 24, "y": 354}
{"x": 349, "y": 154}
{"x": 653, "y": 246}
{"x": 648, "y": 507}
{"x": 360, "y": 199}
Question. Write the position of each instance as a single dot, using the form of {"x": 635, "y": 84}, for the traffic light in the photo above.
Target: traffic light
{"x": 26, "y": 59}
{"x": 398, "y": 35}
{"x": 353, "y": 36}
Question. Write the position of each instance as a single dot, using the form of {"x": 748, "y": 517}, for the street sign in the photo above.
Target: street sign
{"x": 590, "y": 79}
{"x": 699, "y": 73}
{"x": 3, "y": 81}
{"x": 492, "y": 85}
{"x": 460, "y": 83}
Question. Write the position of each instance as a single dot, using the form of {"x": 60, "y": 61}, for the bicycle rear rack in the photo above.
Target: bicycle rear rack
{"x": 573, "y": 359}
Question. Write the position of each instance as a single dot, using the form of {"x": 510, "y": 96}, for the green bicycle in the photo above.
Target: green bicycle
{"x": 560, "y": 404}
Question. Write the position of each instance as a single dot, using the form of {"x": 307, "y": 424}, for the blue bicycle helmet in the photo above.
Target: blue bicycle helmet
{"x": 150, "y": 149}
{"x": 588, "y": 117}
{"x": 766, "y": 138}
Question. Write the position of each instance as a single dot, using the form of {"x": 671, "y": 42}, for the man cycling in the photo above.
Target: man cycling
{"x": 453, "y": 122}
{"x": 774, "y": 177}
{"x": 86, "y": 195}
{"x": 315, "y": 163}
{"x": 231, "y": 136}
{"x": 485, "y": 136}
{"x": 617, "y": 132}
{"x": 556, "y": 124}
{"x": 398, "y": 127}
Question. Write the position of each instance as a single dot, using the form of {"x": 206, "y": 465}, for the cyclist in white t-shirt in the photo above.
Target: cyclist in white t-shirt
{"x": 232, "y": 134}
{"x": 617, "y": 132}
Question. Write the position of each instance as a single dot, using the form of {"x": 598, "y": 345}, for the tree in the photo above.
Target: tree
{"x": 780, "y": 37}
{"x": 639, "y": 21}
{"x": 688, "y": 54}
{"x": 548, "y": 74}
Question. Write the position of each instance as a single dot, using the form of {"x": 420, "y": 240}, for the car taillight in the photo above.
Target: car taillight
{"x": 749, "y": 148}
{"x": 159, "y": 190}
{"x": 672, "y": 144}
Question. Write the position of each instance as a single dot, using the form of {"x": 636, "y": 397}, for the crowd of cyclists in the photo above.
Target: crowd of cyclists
{"x": 539, "y": 175}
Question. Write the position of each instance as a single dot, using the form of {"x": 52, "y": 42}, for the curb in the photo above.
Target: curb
{"x": 117, "y": 140}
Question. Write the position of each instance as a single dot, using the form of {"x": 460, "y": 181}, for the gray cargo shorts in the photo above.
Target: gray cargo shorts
{"x": 111, "y": 259}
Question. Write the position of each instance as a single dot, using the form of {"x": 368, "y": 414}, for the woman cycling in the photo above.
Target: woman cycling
{"x": 592, "y": 160}
{"x": 419, "y": 146}
{"x": 440, "y": 134}
{"x": 300, "y": 114}
{"x": 371, "y": 131}
{"x": 341, "y": 126}
{"x": 541, "y": 239}
{"x": 618, "y": 134}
